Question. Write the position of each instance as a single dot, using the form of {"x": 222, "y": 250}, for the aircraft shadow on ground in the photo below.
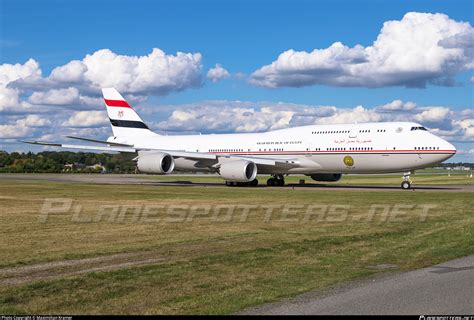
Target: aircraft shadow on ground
{"x": 308, "y": 186}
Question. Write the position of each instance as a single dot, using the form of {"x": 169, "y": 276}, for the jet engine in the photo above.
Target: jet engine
{"x": 157, "y": 163}
{"x": 327, "y": 177}
{"x": 238, "y": 171}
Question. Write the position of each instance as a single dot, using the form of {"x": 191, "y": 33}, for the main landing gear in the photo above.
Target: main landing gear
{"x": 406, "y": 183}
{"x": 276, "y": 180}
{"x": 252, "y": 183}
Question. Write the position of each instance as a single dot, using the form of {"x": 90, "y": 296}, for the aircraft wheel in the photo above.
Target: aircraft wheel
{"x": 281, "y": 182}
{"x": 406, "y": 185}
{"x": 254, "y": 183}
{"x": 271, "y": 182}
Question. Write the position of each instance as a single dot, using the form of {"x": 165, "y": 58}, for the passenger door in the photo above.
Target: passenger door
{"x": 353, "y": 133}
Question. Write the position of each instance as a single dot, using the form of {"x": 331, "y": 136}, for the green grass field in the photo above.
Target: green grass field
{"x": 208, "y": 264}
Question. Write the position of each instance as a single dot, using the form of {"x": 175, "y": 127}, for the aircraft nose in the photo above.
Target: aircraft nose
{"x": 450, "y": 149}
{"x": 445, "y": 145}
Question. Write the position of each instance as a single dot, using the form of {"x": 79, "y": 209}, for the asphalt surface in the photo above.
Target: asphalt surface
{"x": 137, "y": 179}
{"x": 446, "y": 288}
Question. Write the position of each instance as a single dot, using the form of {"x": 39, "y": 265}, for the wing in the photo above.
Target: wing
{"x": 212, "y": 159}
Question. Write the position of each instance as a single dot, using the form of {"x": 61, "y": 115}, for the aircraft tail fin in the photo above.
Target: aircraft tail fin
{"x": 123, "y": 118}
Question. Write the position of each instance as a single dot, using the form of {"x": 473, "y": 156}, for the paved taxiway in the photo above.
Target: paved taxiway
{"x": 446, "y": 288}
{"x": 137, "y": 179}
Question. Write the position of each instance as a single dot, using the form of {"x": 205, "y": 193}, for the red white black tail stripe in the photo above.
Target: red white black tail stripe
{"x": 117, "y": 103}
{"x": 128, "y": 124}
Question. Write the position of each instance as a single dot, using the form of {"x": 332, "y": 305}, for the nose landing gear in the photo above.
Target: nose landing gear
{"x": 406, "y": 183}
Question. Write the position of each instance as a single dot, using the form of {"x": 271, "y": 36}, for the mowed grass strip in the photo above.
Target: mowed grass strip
{"x": 218, "y": 266}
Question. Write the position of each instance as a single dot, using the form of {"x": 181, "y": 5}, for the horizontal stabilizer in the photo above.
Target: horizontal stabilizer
{"x": 41, "y": 143}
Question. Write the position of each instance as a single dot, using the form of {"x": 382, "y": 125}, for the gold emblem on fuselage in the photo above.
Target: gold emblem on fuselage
{"x": 348, "y": 161}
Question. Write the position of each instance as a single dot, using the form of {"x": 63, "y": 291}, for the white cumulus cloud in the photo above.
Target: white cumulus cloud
{"x": 13, "y": 72}
{"x": 79, "y": 81}
{"x": 217, "y": 73}
{"x": 358, "y": 114}
{"x": 420, "y": 49}
{"x": 21, "y": 127}
{"x": 87, "y": 119}
{"x": 10, "y": 100}
{"x": 55, "y": 97}
{"x": 34, "y": 120}
{"x": 76, "y": 85}
{"x": 433, "y": 114}
{"x": 72, "y": 72}
{"x": 398, "y": 105}
{"x": 158, "y": 73}
{"x": 223, "y": 116}
{"x": 246, "y": 116}
{"x": 18, "y": 129}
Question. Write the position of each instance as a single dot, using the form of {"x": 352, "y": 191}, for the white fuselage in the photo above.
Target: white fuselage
{"x": 373, "y": 147}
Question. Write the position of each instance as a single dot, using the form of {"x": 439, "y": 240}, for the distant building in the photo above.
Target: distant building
{"x": 459, "y": 168}
{"x": 462, "y": 168}
{"x": 68, "y": 167}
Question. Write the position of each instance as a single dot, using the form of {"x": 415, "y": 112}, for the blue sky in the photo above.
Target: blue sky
{"x": 242, "y": 36}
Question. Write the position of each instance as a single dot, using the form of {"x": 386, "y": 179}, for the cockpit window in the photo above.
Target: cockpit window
{"x": 418, "y": 128}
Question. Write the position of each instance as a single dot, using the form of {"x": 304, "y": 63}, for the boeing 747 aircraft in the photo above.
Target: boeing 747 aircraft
{"x": 323, "y": 152}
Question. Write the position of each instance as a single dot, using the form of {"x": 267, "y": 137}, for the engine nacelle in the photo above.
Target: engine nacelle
{"x": 157, "y": 163}
{"x": 238, "y": 171}
{"x": 327, "y": 177}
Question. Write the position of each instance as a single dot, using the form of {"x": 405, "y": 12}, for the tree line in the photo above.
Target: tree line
{"x": 66, "y": 161}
